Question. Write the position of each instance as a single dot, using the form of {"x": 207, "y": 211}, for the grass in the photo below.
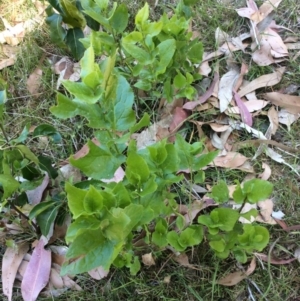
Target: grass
{"x": 275, "y": 282}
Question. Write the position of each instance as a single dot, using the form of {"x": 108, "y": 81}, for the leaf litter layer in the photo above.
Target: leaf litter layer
{"x": 218, "y": 141}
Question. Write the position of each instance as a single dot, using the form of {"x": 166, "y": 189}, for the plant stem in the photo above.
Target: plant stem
{"x": 4, "y": 133}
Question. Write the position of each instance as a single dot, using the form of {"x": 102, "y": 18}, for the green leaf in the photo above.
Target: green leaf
{"x": 238, "y": 194}
{"x": 67, "y": 108}
{"x": 159, "y": 236}
{"x": 135, "y": 266}
{"x": 195, "y": 53}
{"x": 119, "y": 19}
{"x": 23, "y": 136}
{"x": 179, "y": 81}
{"x": 180, "y": 222}
{"x": 39, "y": 208}
{"x": 251, "y": 213}
{"x": 95, "y": 11}
{"x": 203, "y": 160}
{"x": 257, "y": 190}
{"x": 72, "y": 41}
{"x": 28, "y": 153}
{"x": 142, "y": 123}
{"x": 166, "y": 50}
{"x": 46, "y": 218}
{"x": 71, "y": 14}
{"x": 9, "y": 184}
{"x": 226, "y": 217}
{"x": 57, "y": 32}
{"x": 137, "y": 52}
{"x": 220, "y": 192}
{"x": 93, "y": 201}
{"x": 137, "y": 170}
{"x": 240, "y": 256}
{"x": 218, "y": 245}
{"x": 87, "y": 254}
{"x": 142, "y": 16}
{"x": 45, "y": 164}
{"x": 98, "y": 163}
{"x": 47, "y": 130}
{"x": 172, "y": 238}
{"x": 190, "y": 2}
{"x": 76, "y": 198}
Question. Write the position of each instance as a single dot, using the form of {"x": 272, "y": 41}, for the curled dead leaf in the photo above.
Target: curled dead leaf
{"x": 148, "y": 259}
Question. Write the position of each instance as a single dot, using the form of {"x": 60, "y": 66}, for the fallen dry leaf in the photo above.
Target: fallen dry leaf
{"x": 98, "y": 273}
{"x": 37, "y": 273}
{"x": 236, "y": 277}
{"x": 263, "y": 81}
{"x": 287, "y": 118}
{"x": 245, "y": 114}
{"x": 273, "y": 260}
{"x": 183, "y": 260}
{"x": 34, "y": 81}
{"x": 251, "y": 105}
{"x": 273, "y": 118}
{"x": 266, "y": 211}
{"x": 148, "y": 259}
{"x": 265, "y": 175}
{"x": 230, "y": 160}
{"x": 55, "y": 279}
{"x": 35, "y": 196}
{"x": 11, "y": 261}
{"x": 226, "y": 86}
{"x": 289, "y": 102}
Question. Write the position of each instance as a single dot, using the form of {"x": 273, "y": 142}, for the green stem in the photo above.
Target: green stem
{"x": 4, "y": 133}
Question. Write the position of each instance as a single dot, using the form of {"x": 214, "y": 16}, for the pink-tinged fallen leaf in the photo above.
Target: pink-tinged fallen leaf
{"x": 34, "y": 81}
{"x": 148, "y": 259}
{"x": 273, "y": 260}
{"x": 265, "y": 175}
{"x": 268, "y": 6}
{"x": 289, "y": 102}
{"x": 192, "y": 104}
{"x": 266, "y": 210}
{"x": 251, "y": 105}
{"x": 118, "y": 176}
{"x": 263, "y": 81}
{"x": 219, "y": 128}
{"x": 245, "y": 114}
{"x": 55, "y": 279}
{"x": 227, "y": 84}
{"x": 37, "y": 273}
{"x": 11, "y": 261}
{"x": 179, "y": 116}
{"x": 287, "y": 118}
{"x": 69, "y": 283}
{"x": 35, "y": 196}
{"x": 236, "y": 277}
{"x": 273, "y": 118}
{"x": 98, "y": 273}
{"x": 230, "y": 160}
{"x": 204, "y": 68}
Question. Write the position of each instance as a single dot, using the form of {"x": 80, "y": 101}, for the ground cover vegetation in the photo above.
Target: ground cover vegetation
{"x": 156, "y": 164}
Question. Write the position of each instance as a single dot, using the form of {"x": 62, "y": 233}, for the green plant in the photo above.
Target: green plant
{"x": 110, "y": 217}
{"x": 159, "y": 57}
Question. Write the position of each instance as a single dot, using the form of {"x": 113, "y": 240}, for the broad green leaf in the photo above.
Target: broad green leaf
{"x": 71, "y": 14}
{"x": 47, "y": 130}
{"x": 95, "y": 11}
{"x": 81, "y": 224}
{"x": 82, "y": 92}
{"x": 73, "y": 42}
{"x": 179, "y": 81}
{"x": 218, "y": 245}
{"x": 45, "y": 163}
{"x": 135, "y": 266}
{"x": 191, "y": 236}
{"x": 220, "y": 192}
{"x": 144, "y": 85}
{"x": 57, "y": 32}
{"x": 142, "y": 16}
{"x": 251, "y": 213}
{"x": 133, "y": 37}
{"x": 238, "y": 194}
{"x": 203, "y": 160}
{"x": 24, "y": 134}
{"x": 75, "y": 200}
{"x": 195, "y": 53}
{"x": 89, "y": 250}
{"x": 67, "y": 108}
{"x": 28, "y": 153}
{"x": 119, "y": 19}
{"x": 118, "y": 221}
{"x": 171, "y": 164}
{"x": 166, "y": 50}
{"x": 257, "y": 190}
{"x": 159, "y": 236}
{"x": 9, "y": 184}
{"x": 138, "y": 53}
{"x": 172, "y": 238}
{"x": 93, "y": 201}
{"x": 98, "y": 163}
{"x": 46, "y": 219}
{"x": 137, "y": 170}
{"x": 180, "y": 222}
{"x": 142, "y": 123}
{"x": 225, "y": 217}
{"x": 240, "y": 255}
{"x": 152, "y": 29}
{"x": 39, "y": 208}
{"x": 190, "y": 2}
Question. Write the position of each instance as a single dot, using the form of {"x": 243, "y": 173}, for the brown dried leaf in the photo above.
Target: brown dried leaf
{"x": 289, "y": 102}
{"x": 55, "y": 279}
{"x": 69, "y": 283}
{"x": 98, "y": 273}
{"x": 273, "y": 260}
{"x": 148, "y": 259}
{"x": 35, "y": 196}
{"x": 263, "y": 81}
{"x": 273, "y": 118}
{"x": 11, "y": 261}
{"x": 230, "y": 160}
{"x": 34, "y": 81}
{"x": 265, "y": 175}
{"x": 287, "y": 118}
{"x": 183, "y": 260}
{"x": 236, "y": 277}
{"x": 266, "y": 210}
